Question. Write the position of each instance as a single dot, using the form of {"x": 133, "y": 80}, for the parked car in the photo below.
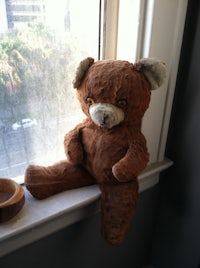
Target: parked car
{"x": 25, "y": 123}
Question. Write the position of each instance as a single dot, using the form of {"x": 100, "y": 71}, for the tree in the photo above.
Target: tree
{"x": 35, "y": 66}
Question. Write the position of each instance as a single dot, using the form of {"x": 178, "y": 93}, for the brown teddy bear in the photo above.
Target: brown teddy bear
{"x": 107, "y": 148}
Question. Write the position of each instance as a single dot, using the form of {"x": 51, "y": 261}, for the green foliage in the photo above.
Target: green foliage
{"x": 34, "y": 68}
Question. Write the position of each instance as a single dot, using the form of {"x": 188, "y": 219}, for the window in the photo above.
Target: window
{"x": 39, "y": 52}
{"x": 37, "y": 103}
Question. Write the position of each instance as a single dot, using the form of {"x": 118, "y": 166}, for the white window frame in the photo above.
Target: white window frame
{"x": 159, "y": 35}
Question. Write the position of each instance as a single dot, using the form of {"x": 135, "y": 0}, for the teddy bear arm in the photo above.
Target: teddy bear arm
{"x": 132, "y": 164}
{"x": 73, "y": 146}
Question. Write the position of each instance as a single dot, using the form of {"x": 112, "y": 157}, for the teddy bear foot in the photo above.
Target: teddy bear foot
{"x": 39, "y": 181}
{"x": 118, "y": 204}
{"x": 115, "y": 240}
{"x": 43, "y": 182}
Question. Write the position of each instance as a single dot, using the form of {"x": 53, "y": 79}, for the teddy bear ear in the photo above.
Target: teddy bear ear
{"x": 154, "y": 71}
{"x": 84, "y": 65}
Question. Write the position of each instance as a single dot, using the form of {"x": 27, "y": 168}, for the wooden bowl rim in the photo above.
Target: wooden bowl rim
{"x": 17, "y": 195}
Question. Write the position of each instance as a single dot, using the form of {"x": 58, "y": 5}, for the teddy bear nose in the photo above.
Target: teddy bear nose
{"x": 104, "y": 120}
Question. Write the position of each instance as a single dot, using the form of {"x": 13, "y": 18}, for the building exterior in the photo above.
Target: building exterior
{"x": 3, "y": 17}
{"x": 15, "y": 13}
{"x": 20, "y": 11}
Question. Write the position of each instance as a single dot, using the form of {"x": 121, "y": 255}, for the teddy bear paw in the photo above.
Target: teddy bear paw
{"x": 122, "y": 174}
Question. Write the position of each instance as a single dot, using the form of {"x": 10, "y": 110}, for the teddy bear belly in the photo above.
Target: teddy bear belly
{"x": 102, "y": 152}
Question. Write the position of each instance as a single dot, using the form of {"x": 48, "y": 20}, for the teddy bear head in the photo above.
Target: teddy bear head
{"x": 113, "y": 92}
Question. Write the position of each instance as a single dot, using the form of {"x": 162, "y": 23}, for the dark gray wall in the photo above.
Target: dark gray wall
{"x": 177, "y": 242}
{"x": 81, "y": 244}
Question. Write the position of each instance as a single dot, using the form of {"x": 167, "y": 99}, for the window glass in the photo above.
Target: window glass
{"x": 41, "y": 43}
{"x": 128, "y": 27}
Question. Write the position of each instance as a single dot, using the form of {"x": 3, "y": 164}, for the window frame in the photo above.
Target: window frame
{"x": 158, "y": 20}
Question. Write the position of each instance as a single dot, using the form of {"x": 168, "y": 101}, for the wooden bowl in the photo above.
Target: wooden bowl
{"x": 11, "y": 199}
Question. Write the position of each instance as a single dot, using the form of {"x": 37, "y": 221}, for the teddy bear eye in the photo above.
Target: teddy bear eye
{"x": 89, "y": 101}
{"x": 122, "y": 103}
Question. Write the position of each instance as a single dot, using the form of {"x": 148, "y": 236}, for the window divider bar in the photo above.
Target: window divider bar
{"x": 144, "y": 28}
{"x": 110, "y": 29}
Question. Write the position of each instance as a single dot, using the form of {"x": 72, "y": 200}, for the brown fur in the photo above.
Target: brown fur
{"x": 111, "y": 157}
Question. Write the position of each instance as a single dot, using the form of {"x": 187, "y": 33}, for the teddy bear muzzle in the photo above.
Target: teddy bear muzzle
{"x": 106, "y": 114}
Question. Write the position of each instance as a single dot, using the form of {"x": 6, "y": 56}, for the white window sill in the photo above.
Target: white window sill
{"x": 38, "y": 219}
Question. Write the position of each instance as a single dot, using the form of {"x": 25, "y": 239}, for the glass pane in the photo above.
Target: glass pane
{"x": 41, "y": 43}
{"x": 129, "y": 19}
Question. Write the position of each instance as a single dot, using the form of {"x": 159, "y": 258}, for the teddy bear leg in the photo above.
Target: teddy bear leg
{"x": 118, "y": 203}
{"x": 43, "y": 182}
